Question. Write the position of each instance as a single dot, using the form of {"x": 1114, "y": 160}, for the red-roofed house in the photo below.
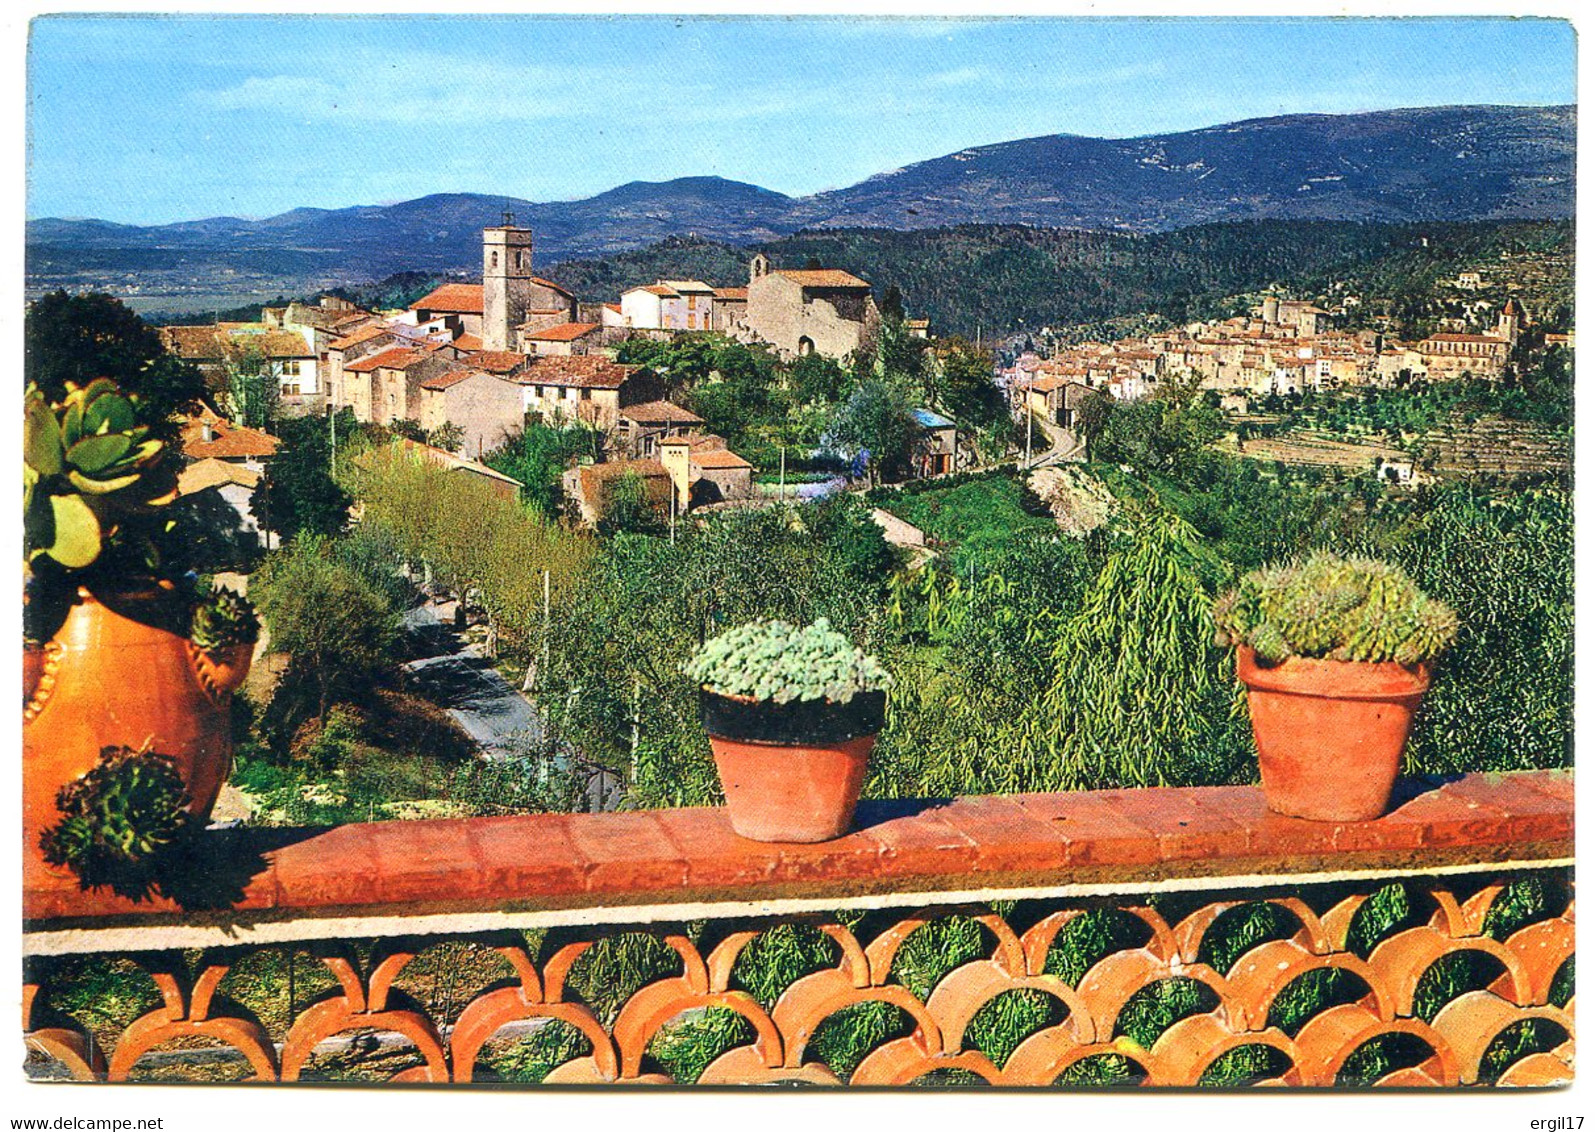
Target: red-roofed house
{"x": 385, "y": 387}
{"x": 704, "y": 473}
{"x": 562, "y": 339}
{"x": 488, "y": 408}
{"x": 669, "y": 304}
{"x": 583, "y": 387}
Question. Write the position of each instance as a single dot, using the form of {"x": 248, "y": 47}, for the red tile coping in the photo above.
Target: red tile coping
{"x": 537, "y": 862}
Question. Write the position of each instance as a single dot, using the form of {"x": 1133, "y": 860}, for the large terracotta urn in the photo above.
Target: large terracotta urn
{"x": 119, "y": 673}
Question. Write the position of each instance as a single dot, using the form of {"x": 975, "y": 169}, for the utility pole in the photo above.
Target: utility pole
{"x": 332, "y": 428}
{"x": 673, "y": 506}
{"x": 1030, "y": 427}
{"x": 781, "y": 491}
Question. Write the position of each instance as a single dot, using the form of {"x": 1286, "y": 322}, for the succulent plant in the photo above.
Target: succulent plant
{"x": 1354, "y": 609}
{"x": 117, "y": 817}
{"x": 774, "y": 660}
{"x": 90, "y": 473}
{"x": 223, "y": 618}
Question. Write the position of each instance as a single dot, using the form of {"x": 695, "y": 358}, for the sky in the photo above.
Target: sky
{"x": 146, "y": 119}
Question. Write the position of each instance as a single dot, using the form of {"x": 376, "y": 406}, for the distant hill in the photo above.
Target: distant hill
{"x": 1452, "y": 163}
{"x": 1003, "y": 278}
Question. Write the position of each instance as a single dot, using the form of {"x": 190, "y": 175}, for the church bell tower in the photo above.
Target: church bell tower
{"x": 506, "y": 282}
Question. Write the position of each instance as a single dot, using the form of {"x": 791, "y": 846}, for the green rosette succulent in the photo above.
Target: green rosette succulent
{"x": 91, "y": 475}
{"x": 1334, "y": 608}
{"x": 119, "y": 816}
{"x": 774, "y": 660}
{"x": 223, "y": 618}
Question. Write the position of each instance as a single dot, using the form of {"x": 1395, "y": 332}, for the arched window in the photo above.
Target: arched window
{"x": 805, "y": 346}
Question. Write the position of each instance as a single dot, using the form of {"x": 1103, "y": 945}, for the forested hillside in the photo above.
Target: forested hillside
{"x": 1000, "y": 279}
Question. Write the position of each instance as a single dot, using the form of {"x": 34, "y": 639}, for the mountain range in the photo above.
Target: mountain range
{"x": 1446, "y": 163}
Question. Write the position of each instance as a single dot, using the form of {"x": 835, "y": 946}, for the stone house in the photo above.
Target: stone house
{"x": 587, "y": 387}
{"x": 644, "y": 425}
{"x": 563, "y": 340}
{"x": 803, "y": 312}
{"x": 669, "y": 304}
{"x": 223, "y": 492}
{"x": 209, "y": 436}
{"x": 730, "y": 309}
{"x": 387, "y": 384}
{"x": 704, "y": 471}
{"x": 936, "y": 449}
{"x": 488, "y": 408}
{"x": 590, "y": 487}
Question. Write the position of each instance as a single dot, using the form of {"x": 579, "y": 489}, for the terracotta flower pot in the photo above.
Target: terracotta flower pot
{"x": 118, "y": 673}
{"x": 1330, "y": 733}
{"x": 792, "y": 772}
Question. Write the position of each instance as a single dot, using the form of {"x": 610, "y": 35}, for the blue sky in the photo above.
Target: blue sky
{"x": 150, "y": 119}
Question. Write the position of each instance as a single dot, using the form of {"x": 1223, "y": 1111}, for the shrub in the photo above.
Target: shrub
{"x": 773, "y": 660}
{"x": 1354, "y": 609}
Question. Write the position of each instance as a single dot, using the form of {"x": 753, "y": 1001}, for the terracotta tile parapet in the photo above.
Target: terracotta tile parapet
{"x": 557, "y": 861}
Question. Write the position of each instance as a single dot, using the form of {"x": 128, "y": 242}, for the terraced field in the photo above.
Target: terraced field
{"x": 1319, "y": 450}
{"x": 1498, "y": 446}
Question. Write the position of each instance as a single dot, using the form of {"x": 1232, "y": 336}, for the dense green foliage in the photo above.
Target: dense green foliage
{"x": 298, "y": 494}
{"x": 77, "y": 338}
{"x": 116, "y": 818}
{"x": 538, "y": 456}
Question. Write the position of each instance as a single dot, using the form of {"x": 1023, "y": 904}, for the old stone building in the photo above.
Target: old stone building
{"x": 488, "y": 408}
{"x": 804, "y": 312}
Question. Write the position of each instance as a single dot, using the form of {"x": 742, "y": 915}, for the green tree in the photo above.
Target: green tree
{"x": 958, "y": 381}
{"x": 336, "y": 629}
{"x": 877, "y": 419}
{"x": 80, "y": 337}
{"x": 253, "y": 391}
{"x": 539, "y": 455}
{"x": 298, "y": 495}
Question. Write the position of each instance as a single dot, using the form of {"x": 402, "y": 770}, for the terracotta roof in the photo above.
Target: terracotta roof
{"x": 192, "y": 341}
{"x": 731, "y": 294}
{"x": 211, "y": 472}
{"x": 614, "y": 307}
{"x": 453, "y": 298}
{"x": 824, "y": 277}
{"x": 719, "y": 458}
{"x": 448, "y": 379}
{"x": 653, "y": 412}
{"x": 657, "y": 289}
{"x": 585, "y": 371}
{"x": 497, "y": 361}
{"x": 275, "y": 344}
{"x": 364, "y": 334}
{"x": 395, "y": 357}
{"x": 228, "y": 441}
{"x": 564, "y": 332}
{"x": 468, "y": 342}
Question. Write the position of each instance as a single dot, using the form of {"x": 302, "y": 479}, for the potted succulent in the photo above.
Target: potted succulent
{"x": 1336, "y": 654}
{"x": 792, "y": 713}
{"x": 116, "y": 654}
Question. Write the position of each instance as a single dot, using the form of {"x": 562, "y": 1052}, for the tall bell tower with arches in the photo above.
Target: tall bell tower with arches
{"x": 506, "y": 282}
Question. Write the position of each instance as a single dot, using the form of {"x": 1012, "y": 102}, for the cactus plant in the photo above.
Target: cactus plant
{"x": 117, "y": 818}
{"x": 1334, "y": 608}
{"x": 222, "y": 619}
{"x": 92, "y": 477}
{"x": 777, "y": 661}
